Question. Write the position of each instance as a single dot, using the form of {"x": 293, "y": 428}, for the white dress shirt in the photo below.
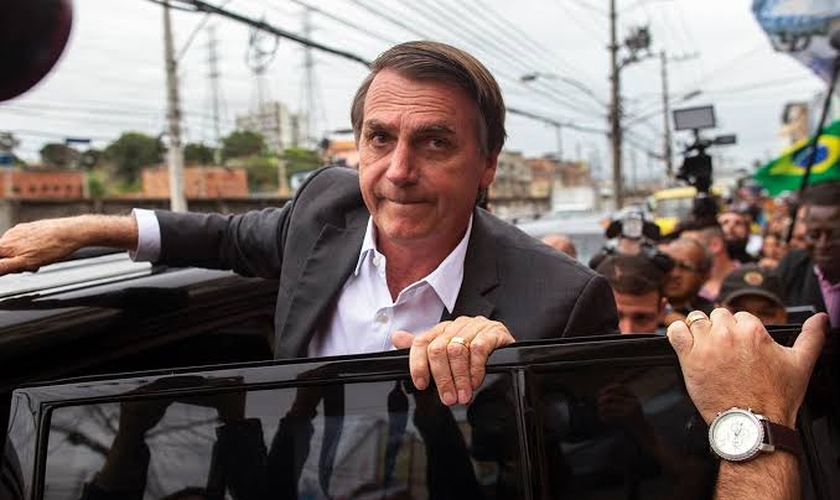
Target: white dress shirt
{"x": 365, "y": 316}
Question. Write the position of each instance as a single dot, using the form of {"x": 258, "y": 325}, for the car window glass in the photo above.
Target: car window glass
{"x": 619, "y": 432}
{"x": 357, "y": 440}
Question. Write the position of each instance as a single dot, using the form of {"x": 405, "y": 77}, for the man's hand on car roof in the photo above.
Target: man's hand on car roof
{"x": 454, "y": 353}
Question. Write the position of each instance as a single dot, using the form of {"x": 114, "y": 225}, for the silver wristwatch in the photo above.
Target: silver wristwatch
{"x": 738, "y": 434}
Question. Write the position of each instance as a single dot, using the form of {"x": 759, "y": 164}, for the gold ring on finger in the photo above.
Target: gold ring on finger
{"x": 459, "y": 340}
{"x": 695, "y": 316}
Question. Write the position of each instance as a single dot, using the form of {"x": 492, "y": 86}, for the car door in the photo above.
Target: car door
{"x": 573, "y": 418}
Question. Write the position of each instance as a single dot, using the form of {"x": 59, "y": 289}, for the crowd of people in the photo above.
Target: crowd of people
{"x": 765, "y": 256}
{"x": 397, "y": 255}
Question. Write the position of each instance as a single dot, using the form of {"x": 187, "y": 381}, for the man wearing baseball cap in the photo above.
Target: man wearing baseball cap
{"x": 756, "y": 290}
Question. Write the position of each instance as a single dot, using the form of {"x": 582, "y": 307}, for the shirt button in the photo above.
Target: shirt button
{"x": 382, "y": 317}
{"x": 377, "y": 260}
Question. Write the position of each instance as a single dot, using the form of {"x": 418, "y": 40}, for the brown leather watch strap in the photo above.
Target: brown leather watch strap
{"x": 782, "y": 437}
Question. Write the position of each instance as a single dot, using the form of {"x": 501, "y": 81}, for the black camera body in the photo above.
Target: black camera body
{"x": 634, "y": 226}
{"x": 696, "y": 170}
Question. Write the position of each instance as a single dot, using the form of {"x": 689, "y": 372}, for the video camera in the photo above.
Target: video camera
{"x": 696, "y": 169}
{"x": 642, "y": 234}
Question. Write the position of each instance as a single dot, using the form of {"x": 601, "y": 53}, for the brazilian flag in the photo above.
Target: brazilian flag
{"x": 785, "y": 172}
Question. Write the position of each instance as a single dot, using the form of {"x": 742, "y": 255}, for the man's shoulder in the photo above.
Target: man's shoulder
{"x": 519, "y": 250}
{"x": 794, "y": 262}
{"x": 331, "y": 176}
{"x": 330, "y": 187}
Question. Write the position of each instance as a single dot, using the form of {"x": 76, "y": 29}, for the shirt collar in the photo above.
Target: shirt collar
{"x": 445, "y": 280}
{"x": 824, "y": 283}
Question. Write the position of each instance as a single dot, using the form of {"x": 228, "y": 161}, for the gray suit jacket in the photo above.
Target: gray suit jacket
{"x": 312, "y": 245}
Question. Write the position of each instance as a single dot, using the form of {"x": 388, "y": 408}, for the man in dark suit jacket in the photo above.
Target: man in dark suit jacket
{"x": 508, "y": 275}
{"x": 812, "y": 277}
{"x": 429, "y": 124}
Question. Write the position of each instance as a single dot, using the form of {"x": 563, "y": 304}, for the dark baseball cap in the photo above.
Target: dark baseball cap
{"x": 751, "y": 279}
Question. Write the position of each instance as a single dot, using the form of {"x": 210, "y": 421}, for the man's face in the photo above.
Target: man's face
{"x": 736, "y": 227}
{"x": 822, "y": 235}
{"x": 639, "y": 313}
{"x": 774, "y": 247}
{"x": 769, "y": 312}
{"x": 420, "y": 162}
{"x": 685, "y": 279}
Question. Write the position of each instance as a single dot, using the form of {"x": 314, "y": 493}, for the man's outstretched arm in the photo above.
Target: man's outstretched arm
{"x": 731, "y": 361}
{"x": 28, "y": 246}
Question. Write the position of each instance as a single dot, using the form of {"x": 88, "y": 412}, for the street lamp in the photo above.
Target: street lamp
{"x": 530, "y": 77}
{"x": 558, "y": 127}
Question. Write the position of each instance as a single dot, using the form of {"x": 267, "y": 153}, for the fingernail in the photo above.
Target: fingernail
{"x": 449, "y": 398}
{"x": 420, "y": 383}
{"x": 463, "y": 398}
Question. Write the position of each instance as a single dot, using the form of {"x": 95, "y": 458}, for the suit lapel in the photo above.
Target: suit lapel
{"x": 327, "y": 268}
{"x": 481, "y": 273}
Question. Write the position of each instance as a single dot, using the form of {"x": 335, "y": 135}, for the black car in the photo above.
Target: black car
{"x": 573, "y": 418}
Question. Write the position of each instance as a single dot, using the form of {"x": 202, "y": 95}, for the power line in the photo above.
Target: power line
{"x": 379, "y": 10}
{"x": 585, "y": 5}
{"x": 344, "y": 22}
{"x": 205, "y": 7}
{"x": 485, "y": 14}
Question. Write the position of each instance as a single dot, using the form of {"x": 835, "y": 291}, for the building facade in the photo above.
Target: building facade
{"x": 199, "y": 182}
{"x": 16, "y": 183}
{"x": 513, "y": 177}
{"x": 342, "y": 153}
{"x": 280, "y": 127}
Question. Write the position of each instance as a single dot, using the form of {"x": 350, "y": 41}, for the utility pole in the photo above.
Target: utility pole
{"x": 558, "y": 131}
{"x": 178, "y": 202}
{"x": 615, "y": 111}
{"x": 666, "y": 109}
{"x": 214, "y": 89}
{"x": 309, "y": 82}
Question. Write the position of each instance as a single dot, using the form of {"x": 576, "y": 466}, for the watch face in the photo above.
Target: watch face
{"x": 736, "y": 435}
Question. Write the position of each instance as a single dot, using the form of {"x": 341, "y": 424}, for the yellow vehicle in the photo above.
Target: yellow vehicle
{"x": 670, "y": 206}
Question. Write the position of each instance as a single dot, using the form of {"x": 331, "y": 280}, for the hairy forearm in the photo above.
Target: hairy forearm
{"x": 771, "y": 477}
{"x": 30, "y": 245}
{"x": 104, "y": 230}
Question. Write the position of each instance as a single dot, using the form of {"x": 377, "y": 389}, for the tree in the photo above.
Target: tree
{"x": 59, "y": 155}
{"x": 97, "y": 185}
{"x": 301, "y": 160}
{"x": 262, "y": 174}
{"x": 90, "y": 159}
{"x": 133, "y": 151}
{"x": 199, "y": 154}
{"x": 242, "y": 143}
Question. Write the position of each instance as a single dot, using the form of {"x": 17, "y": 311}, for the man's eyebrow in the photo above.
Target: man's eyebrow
{"x": 376, "y": 125}
{"x": 435, "y": 128}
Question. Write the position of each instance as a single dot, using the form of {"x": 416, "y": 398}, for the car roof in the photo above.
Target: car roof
{"x": 73, "y": 274}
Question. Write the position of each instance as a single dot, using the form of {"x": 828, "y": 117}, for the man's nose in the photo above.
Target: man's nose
{"x": 401, "y": 167}
{"x": 625, "y": 325}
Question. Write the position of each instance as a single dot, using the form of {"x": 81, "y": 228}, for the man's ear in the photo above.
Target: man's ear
{"x": 489, "y": 173}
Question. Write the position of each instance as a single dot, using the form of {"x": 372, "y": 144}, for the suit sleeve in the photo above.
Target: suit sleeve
{"x": 594, "y": 312}
{"x": 250, "y": 244}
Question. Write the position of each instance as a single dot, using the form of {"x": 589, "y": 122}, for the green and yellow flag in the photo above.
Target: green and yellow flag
{"x": 785, "y": 172}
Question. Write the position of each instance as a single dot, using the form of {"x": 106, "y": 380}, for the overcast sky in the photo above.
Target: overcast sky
{"x": 111, "y": 77}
